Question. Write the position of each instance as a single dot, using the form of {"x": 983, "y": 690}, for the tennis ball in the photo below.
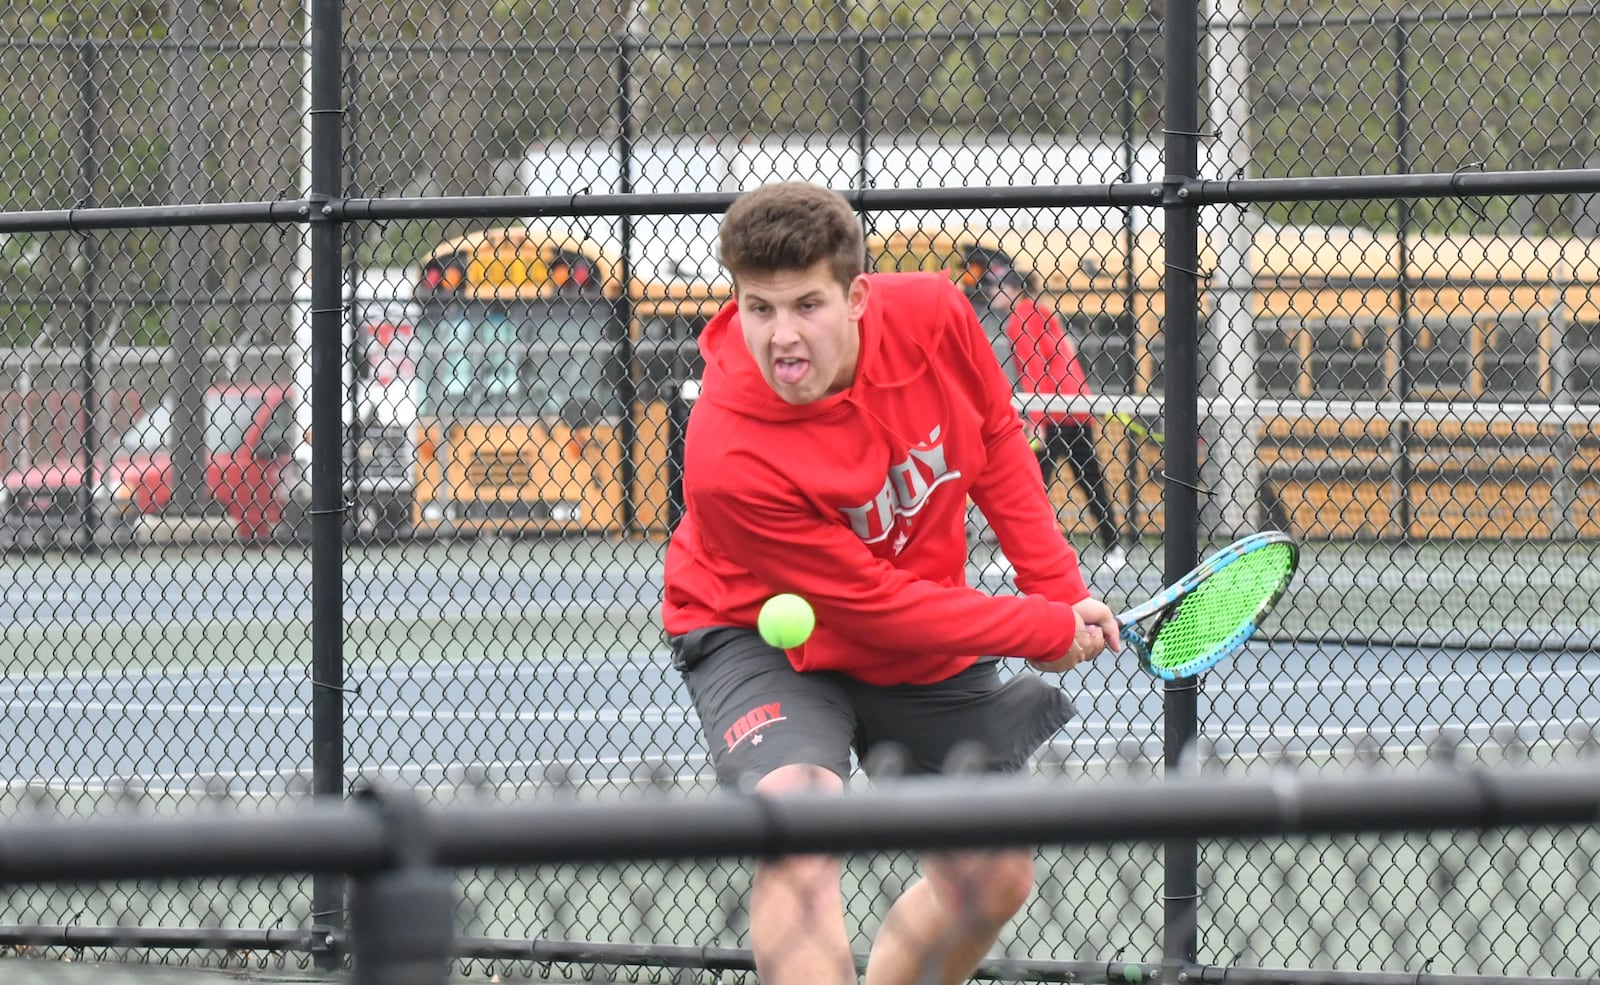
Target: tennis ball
{"x": 786, "y": 621}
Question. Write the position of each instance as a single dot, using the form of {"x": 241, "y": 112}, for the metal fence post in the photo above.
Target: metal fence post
{"x": 327, "y": 438}
{"x": 89, "y": 258}
{"x": 401, "y": 918}
{"x": 1403, "y": 343}
{"x": 1180, "y": 494}
{"x": 627, "y": 393}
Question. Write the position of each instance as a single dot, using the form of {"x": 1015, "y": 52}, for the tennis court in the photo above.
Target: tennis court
{"x": 550, "y": 654}
{"x": 515, "y": 669}
{"x": 523, "y": 663}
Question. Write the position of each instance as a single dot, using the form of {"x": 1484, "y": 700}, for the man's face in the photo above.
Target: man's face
{"x": 801, "y": 328}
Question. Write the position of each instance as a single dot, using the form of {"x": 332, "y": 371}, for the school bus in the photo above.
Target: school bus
{"x": 1459, "y": 400}
{"x": 548, "y": 385}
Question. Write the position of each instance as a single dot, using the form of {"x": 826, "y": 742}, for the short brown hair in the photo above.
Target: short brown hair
{"x": 791, "y": 225}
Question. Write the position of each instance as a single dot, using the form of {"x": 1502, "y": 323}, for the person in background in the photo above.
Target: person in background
{"x": 1039, "y": 356}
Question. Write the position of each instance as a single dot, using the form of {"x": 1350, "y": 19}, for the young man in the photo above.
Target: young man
{"x": 843, "y": 421}
{"x": 1044, "y": 360}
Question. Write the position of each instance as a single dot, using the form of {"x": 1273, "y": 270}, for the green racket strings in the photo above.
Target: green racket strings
{"x": 1221, "y": 607}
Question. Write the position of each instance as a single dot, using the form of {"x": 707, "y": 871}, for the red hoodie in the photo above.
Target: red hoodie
{"x": 857, "y": 502}
{"x": 1046, "y": 360}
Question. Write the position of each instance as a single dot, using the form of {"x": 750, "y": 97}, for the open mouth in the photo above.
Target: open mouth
{"x": 790, "y": 371}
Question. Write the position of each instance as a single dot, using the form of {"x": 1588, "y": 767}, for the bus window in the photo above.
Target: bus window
{"x": 1279, "y": 363}
{"x": 544, "y": 357}
{"x": 664, "y": 328}
{"x": 1105, "y": 349}
{"x": 1440, "y": 359}
{"x": 1510, "y": 358}
{"x": 1583, "y": 341}
{"x": 476, "y": 374}
{"x": 668, "y": 354}
{"x": 1347, "y": 358}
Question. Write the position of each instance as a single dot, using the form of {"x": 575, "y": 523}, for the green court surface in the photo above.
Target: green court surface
{"x": 539, "y": 665}
{"x": 432, "y": 602}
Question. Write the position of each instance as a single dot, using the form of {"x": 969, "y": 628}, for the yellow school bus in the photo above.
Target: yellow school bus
{"x": 1458, "y": 400}
{"x": 547, "y": 385}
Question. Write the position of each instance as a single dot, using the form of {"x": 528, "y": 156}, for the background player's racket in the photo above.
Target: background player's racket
{"x": 1210, "y": 613}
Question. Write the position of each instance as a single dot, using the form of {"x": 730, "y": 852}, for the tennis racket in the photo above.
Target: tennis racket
{"x": 1210, "y": 613}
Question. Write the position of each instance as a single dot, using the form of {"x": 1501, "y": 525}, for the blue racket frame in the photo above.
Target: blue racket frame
{"x": 1165, "y": 602}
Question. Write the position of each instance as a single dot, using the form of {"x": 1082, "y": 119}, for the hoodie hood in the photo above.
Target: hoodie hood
{"x": 733, "y": 380}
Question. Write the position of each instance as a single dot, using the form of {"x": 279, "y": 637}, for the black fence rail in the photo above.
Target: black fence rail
{"x": 397, "y": 852}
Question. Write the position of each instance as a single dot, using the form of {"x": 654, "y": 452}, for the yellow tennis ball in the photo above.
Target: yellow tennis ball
{"x": 786, "y": 621}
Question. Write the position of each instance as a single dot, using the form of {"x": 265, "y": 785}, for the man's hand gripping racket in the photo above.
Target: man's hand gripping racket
{"x": 1210, "y": 613}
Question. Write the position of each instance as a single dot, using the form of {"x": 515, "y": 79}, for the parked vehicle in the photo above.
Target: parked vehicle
{"x": 248, "y": 453}
{"x": 380, "y": 422}
{"x": 543, "y": 381}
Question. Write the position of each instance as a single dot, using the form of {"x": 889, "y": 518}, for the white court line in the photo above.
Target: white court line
{"x": 680, "y": 716}
{"x": 479, "y": 669}
{"x": 652, "y": 716}
{"x": 1469, "y": 730}
{"x": 1225, "y": 685}
{"x": 160, "y": 783}
{"x": 381, "y": 671}
{"x": 1420, "y": 576}
{"x": 381, "y": 613}
{"x": 1211, "y": 727}
{"x": 1348, "y": 755}
{"x": 1297, "y": 685}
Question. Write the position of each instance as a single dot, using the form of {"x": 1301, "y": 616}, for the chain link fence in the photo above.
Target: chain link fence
{"x": 346, "y": 352}
{"x": 398, "y": 854}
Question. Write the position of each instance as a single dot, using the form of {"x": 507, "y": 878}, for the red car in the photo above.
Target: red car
{"x": 248, "y": 461}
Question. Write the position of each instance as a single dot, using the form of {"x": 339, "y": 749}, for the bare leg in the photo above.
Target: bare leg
{"x": 796, "y": 912}
{"x": 941, "y": 928}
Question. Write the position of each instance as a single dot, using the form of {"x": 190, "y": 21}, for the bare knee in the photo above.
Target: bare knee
{"x": 799, "y": 778}
{"x": 985, "y": 888}
{"x": 798, "y": 879}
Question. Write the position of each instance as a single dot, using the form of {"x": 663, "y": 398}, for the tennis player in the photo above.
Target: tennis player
{"x": 844, "y": 419}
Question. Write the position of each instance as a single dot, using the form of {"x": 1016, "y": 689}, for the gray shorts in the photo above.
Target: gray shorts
{"x": 759, "y": 713}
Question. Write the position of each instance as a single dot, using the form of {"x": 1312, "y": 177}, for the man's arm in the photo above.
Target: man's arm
{"x": 782, "y": 541}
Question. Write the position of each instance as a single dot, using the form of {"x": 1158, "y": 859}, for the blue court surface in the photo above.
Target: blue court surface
{"x": 520, "y": 665}
{"x": 169, "y": 680}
